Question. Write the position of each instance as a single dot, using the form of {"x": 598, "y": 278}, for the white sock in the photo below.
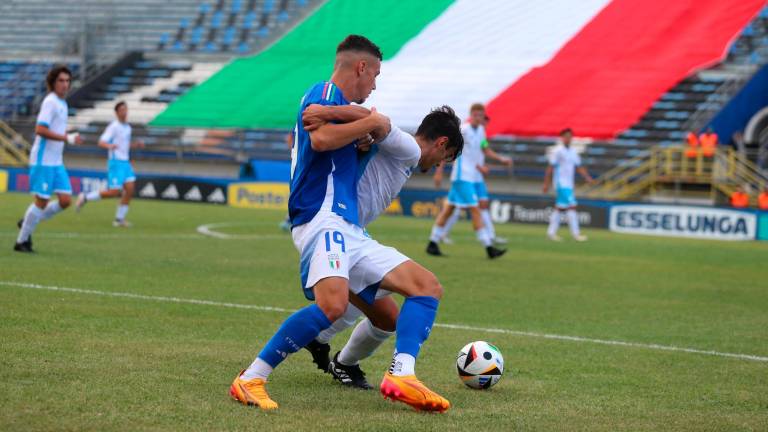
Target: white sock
{"x": 31, "y": 219}
{"x": 93, "y": 195}
{"x": 365, "y": 339}
{"x": 573, "y": 222}
{"x": 554, "y": 222}
{"x": 402, "y": 364}
{"x": 346, "y": 321}
{"x": 258, "y": 369}
{"x": 437, "y": 233}
{"x": 451, "y": 221}
{"x": 483, "y": 237}
{"x": 486, "y": 214}
{"x": 51, "y": 209}
{"x": 122, "y": 210}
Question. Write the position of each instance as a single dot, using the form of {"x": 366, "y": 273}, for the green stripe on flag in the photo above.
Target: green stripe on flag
{"x": 263, "y": 91}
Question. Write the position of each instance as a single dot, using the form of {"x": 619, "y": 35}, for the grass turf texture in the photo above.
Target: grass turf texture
{"x": 82, "y": 362}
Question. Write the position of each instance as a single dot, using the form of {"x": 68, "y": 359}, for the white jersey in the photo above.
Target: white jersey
{"x": 53, "y": 115}
{"x": 119, "y": 134}
{"x": 465, "y": 166}
{"x": 564, "y": 160}
{"x": 383, "y": 173}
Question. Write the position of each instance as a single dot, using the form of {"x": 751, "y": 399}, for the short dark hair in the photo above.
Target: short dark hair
{"x": 53, "y": 75}
{"x": 359, "y": 43}
{"x": 566, "y": 131}
{"x": 442, "y": 121}
{"x": 119, "y": 104}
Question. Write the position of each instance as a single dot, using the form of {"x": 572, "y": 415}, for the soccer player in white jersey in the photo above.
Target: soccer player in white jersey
{"x": 563, "y": 164}
{"x": 120, "y": 177}
{"x": 474, "y": 131}
{"x": 382, "y": 172}
{"x": 47, "y": 174}
{"x": 466, "y": 179}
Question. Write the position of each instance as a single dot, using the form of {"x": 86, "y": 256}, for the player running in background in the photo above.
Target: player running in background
{"x": 47, "y": 174}
{"x": 120, "y": 177}
{"x": 474, "y": 131}
{"x": 466, "y": 179}
{"x": 383, "y": 172}
{"x": 563, "y": 164}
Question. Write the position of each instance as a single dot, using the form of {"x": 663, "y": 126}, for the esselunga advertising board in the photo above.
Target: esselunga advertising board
{"x": 681, "y": 221}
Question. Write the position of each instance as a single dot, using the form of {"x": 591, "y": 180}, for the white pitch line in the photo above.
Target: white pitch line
{"x": 72, "y": 235}
{"x": 442, "y": 325}
{"x": 209, "y": 230}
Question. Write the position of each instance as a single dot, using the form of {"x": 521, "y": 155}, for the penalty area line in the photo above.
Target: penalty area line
{"x": 657, "y": 347}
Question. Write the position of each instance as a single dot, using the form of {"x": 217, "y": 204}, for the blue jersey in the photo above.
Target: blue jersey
{"x": 321, "y": 180}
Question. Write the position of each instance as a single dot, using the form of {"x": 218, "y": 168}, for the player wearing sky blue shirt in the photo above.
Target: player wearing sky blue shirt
{"x": 120, "y": 176}
{"x": 563, "y": 164}
{"x": 47, "y": 174}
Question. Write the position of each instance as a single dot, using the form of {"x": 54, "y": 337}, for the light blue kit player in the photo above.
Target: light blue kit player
{"x": 47, "y": 174}
{"x": 121, "y": 179}
{"x": 564, "y": 161}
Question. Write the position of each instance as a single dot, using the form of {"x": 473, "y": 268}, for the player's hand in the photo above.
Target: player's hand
{"x": 545, "y": 188}
{"x": 484, "y": 170}
{"x": 591, "y": 181}
{"x": 365, "y": 143}
{"x": 383, "y": 125}
{"x": 507, "y": 161}
{"x": 312, "y": 117}
{"x": 140, "y": 144}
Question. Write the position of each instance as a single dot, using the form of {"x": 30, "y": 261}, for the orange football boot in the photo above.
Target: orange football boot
{"x": 409, "y": 390}
{"x": 251, "y": 392}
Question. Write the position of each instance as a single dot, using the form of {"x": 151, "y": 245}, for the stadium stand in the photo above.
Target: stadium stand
{"x": 236, "y": 25}
{"x": 21, "y": 83}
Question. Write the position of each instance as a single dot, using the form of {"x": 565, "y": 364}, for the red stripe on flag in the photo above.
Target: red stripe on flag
{"x": 605, "y": 78}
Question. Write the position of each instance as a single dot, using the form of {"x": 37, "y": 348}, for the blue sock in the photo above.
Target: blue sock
{"x": 297, "y": 331}
{"x": 415, "y": 323}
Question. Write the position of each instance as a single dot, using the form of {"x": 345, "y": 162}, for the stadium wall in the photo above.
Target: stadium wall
{"x": 700, "y": 222}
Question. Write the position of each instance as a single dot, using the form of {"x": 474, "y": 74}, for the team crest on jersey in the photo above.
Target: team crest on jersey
{"x": 334, "y": 261}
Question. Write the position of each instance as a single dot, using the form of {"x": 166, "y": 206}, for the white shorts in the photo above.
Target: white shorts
{"x": 330, "y": 246}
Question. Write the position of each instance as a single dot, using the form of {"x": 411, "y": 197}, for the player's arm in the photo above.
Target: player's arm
{"x": 331, "y": 136}
{"x": 497, "y": 157}
{"x": 106, "y": 137}
{"x": 43, "y": 131}
{"x": 315, "y": 115}
{"x": 547, "y": 178}
{"x": 584, "y": 173}
{"x": 137, "y": 144}
{"x": 438, "y": 177}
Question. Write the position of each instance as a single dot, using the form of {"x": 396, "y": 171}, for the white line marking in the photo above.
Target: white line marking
{"x": 441, "y": 325}
{"x": 209, "y": 230}
{"x": 68, "y": 235}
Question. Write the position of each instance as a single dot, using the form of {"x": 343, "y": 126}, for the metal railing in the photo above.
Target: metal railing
{"x": 14, "y": 149}
{"x": 724, "y": 172}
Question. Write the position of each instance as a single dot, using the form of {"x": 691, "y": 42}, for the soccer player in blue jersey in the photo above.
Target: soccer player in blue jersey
{"x": 120, "y": 177}
{"x": 47, "y": 174}
{"x": 382, "y": 173}
{"x": 323, "y": 207}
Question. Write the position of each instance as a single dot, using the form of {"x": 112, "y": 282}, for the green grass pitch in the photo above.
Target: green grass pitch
{"x": 88, "y": 361}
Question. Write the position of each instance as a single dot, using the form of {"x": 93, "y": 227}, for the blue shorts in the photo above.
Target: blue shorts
{"x": 119, "y": 172}
{"x": 564, "y": 198}
{"x": 47, "y": 180}
{"x": 463, "y": 194}
{"x": 481, "y": 190}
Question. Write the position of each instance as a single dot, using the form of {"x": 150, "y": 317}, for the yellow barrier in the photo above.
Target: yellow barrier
{"x": 3, "y": 181}
{"x": 259, "y": 195}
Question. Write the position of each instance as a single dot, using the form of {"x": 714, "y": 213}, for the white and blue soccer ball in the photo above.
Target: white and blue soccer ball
{"x": 480, "y": 365}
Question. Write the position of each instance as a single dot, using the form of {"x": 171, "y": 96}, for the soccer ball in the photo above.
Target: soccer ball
{"x": 480, "y": 365}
